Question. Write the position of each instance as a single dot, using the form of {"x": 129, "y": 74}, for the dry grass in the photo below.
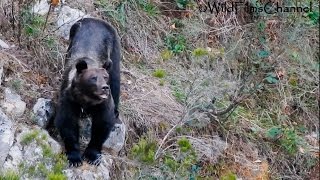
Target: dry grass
{"x": 173, "y": 107}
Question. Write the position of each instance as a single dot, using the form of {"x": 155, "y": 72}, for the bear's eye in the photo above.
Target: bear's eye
{"x": 93, "y": 78}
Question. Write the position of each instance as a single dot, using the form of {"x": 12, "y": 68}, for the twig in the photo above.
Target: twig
{"x": 166, "y": 136}
{"x": 45, "y": 23}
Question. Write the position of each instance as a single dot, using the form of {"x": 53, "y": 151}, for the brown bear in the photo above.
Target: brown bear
{"x": 91, "y": 84}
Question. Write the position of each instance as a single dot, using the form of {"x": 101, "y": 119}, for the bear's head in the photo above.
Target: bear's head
{"x": 91, "y": 84}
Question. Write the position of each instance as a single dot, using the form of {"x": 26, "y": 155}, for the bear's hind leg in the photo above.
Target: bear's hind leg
{"x": 103, "y": 120}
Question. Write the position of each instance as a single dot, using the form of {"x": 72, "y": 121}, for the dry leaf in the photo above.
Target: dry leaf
{"x": 55, "y": 2}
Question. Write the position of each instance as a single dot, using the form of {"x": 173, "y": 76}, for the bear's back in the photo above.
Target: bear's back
{"x": 91, "y": 38}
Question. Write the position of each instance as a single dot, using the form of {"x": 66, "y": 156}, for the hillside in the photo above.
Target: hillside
{"x": 208, "y": 91}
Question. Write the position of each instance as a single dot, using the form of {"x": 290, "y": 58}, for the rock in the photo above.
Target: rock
{"x": 89, "y": 172}
{"x": 6, "y": 136}
{"x": 12, "y": 103}
{"x": 117, "y": 138}
{"x": 66, "y": 18}
{"x": 3, "y": 45}
{"x": 41, "y": 7}
{"x": 30, "y": 151}
{"x": 115, "y": 141}
{"x": 43, "y": 111}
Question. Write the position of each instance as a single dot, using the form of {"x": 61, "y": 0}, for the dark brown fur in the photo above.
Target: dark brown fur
{"x": 91, "y": 83}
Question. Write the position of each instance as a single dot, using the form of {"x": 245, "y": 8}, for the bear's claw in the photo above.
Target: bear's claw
{"x": 93, "y": 157}
{"x": 74, "y": 159}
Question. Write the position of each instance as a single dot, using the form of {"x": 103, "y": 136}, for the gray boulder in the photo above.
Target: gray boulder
{"x": 12, "y": 103}
{"x": 66, "y": 18}
{"x": 43, "y": 111}
{"x": 116, "y": 139}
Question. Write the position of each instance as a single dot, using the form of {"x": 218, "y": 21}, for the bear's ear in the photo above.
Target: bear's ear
{"x": 107, "y": 65}
{"x": 81, "y": 65}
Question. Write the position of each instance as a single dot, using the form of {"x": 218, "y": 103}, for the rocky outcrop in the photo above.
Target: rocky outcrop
{"x": 66, "y": 18}
{"x": 6, "y": 136}
{"x": 116, "y": 139}
{"x": 31, "y": 147}
{"x": 12, "y": 103}
{"x": 89, "y": 172}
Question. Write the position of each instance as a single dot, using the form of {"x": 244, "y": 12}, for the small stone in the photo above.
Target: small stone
{"x": 43, "y": 111}
{"x": 12, "y": 103}
{"x": 3, "y": 45}
{"x": 41, "y": 7}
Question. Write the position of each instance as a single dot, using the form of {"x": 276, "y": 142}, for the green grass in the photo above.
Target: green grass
{"x": 58, "y": 162}
{"x": 32, "y": 24}
{"x": 53, "y": 176}
{"x": 29, "y": 137}
{"x": 9, "y": 175}
{"x": 148, "y": 7}
{"x": 159, "y": 73}
{"x": 166, "y": 54}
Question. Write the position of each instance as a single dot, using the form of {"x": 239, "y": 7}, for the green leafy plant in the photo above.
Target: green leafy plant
{"x": 290, "y": 141}
{"x": 175, "y": 43}
{"x": 182, "y": 4}
{"x": 263, "y": 54}
{"x": 118, "y": 14}
{"x": 179, "y": 94}
{"x": 32, "y": 24}
{"x": 144, "y": 150}
{"x": 272, "y": 78}
{"x": 148, "y": 7}
{"x": 314, "y": 17}
{"x": 171, "y": 163}
{"x": 184, "y": 144}
{"x": 274, "y": 132}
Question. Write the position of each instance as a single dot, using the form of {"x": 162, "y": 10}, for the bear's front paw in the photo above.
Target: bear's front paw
{"x": 74, "y": 159}
{"x": 92, "y": 156}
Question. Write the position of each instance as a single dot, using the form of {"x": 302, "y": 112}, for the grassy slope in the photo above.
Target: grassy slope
{"x": 176, "y": 60}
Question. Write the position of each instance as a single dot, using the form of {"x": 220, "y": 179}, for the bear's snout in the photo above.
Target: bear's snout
{"x": 105, "y": 88}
